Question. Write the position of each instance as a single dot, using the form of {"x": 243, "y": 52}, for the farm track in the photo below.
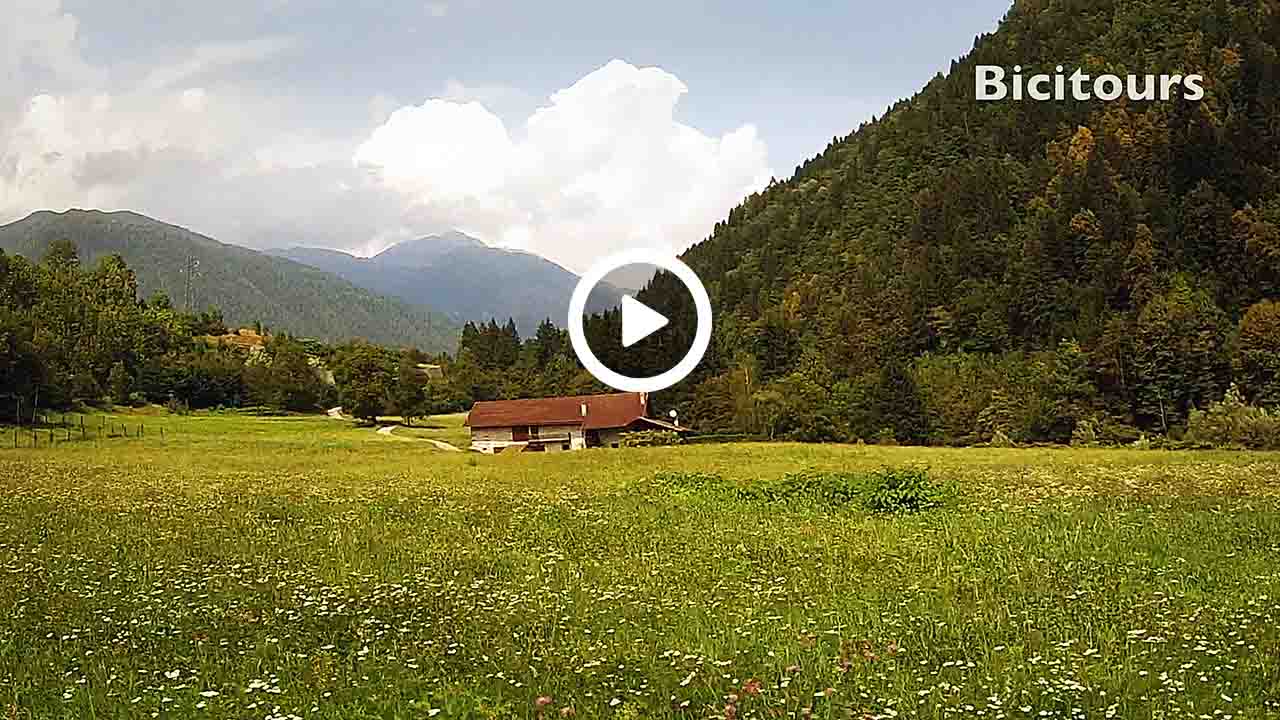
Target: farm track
{"x": 389, "y": 430}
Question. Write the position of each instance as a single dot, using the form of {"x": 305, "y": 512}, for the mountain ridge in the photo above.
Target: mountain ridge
{"x": 463, "y": 277}
{"x": 246, "y": 285}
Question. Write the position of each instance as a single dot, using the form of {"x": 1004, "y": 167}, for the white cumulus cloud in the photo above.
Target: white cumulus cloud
{"x": 604, "y": 166}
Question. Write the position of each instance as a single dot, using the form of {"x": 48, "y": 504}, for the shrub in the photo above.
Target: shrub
{"x": 1000, "y": 440}
{"x": 826, "y": 488}
{"x": 650, "y": 438}
{"x": 713, "y": 438}
{"x": 888, "y": 490}
{"x": 903, "y": 490}
{"x": 678, "y": 482}
{"x": 1103, "y": 430}
{"x": 885, "y": 437}
{"x": 118, "y": 384}
{"x": 1235, "y": 423}
{"x": 1085, "y": 433}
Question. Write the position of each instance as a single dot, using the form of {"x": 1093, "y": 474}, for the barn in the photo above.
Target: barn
{"x": 560, "y": 423}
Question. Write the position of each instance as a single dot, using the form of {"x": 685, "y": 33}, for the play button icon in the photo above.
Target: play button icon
{"x": 639, "y": 321}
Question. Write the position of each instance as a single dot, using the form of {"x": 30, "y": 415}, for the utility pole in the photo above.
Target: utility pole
{"x": 190, "y": 270}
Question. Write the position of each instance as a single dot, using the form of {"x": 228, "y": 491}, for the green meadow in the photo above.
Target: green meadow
{"x": 302, "y": 567}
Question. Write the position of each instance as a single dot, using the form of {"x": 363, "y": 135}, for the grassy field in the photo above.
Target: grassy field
{"x": 306, "y": 568}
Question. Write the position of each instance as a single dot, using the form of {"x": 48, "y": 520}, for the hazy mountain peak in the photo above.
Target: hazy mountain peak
{"x": 424, "y": 251}
{"x": 462, "y": 276}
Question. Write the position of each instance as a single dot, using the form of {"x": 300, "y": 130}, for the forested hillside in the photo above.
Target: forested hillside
{"x": 962, "y": 270}
{"x": 246, "y": 286}
{"x": 74, "y": 335}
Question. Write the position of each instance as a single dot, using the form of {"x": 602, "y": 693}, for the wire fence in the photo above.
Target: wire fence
{"x": 48, "y": 431}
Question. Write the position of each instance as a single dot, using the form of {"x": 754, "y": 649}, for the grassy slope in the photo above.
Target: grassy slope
{"x": 357, "y": 575}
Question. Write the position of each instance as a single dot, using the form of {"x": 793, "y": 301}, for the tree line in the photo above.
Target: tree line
{"x": 73, "y": 335}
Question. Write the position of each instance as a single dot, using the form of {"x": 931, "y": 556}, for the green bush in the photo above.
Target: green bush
{"x": 903, "y": 490}
{"x": 825, "y": 488}
{"x": 177, "y": 407}
{"x": 716, "y": 438}
{"x": 885, "y": 437}
{"x": 1235, "y": 423}
{"x": 1085, "y": 433}
{"x": 650, "y": 438}
{"x": 1103, "y": 430}
{"x": 678, "y": 482}
{"x": 887, "y": 490}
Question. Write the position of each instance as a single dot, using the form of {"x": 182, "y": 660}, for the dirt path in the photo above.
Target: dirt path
{"x": 389, "y": 430}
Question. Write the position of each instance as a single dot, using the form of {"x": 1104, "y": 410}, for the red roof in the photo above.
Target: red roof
{"x": 603, "y": 411}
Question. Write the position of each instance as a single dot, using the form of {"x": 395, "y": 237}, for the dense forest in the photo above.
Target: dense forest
{"x": 959, "y": 269}
{"x": 961, "y": 272}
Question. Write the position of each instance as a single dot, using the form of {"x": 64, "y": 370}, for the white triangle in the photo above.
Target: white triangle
{"x": 638, "y": 321}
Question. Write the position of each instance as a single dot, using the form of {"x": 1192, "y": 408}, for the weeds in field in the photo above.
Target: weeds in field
{"x": 903, "y": 490}
{"x": 888, "y": 490}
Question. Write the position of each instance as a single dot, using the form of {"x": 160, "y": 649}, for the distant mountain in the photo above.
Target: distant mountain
{"x": 426, "y": 251}
{"x": 245, "y": 285}
{"x": 632, "y": 277}
{"x": 459, "y": 275}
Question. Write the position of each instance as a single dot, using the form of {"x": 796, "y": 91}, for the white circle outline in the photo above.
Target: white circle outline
{"x": 701, "y": 337}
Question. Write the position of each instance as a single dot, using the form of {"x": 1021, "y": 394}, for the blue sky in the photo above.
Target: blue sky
{"x": 355, "y": 124}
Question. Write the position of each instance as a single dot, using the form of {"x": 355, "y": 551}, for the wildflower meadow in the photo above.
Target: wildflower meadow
{"x": 276, "y": 568}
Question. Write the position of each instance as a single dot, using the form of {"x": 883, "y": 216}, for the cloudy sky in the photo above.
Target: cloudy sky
{"x": 571, "y": 129}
